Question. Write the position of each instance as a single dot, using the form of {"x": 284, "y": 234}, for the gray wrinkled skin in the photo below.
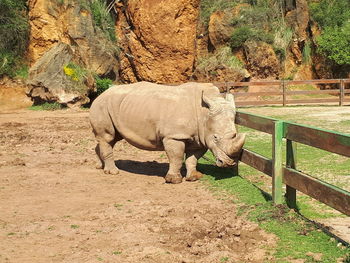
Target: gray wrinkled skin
{"x": 182, "y": 120}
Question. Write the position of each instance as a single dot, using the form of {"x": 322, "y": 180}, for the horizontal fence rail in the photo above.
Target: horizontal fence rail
{"x": 330, "y": 141}
{"x": 338, "y": 94}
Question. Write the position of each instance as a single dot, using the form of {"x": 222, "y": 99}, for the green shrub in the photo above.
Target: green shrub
{"x": 102, "y": 84}
{"x": 335, "y": 44}
{"x": 334, "y": 41}
{"x": 240, "y": 36}
{"x": 103, "y": 18}
{"x": 14, "y": 35}
{"x": 8, "y": 62}
{"x": 330, "y": 13}
{"x": 244, "y": 33}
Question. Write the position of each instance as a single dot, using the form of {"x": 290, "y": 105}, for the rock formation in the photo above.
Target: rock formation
{"x": 57, "y": 22}
{"x": 48, "y": 81}
{"x": 262, "y": 61}
{"x": 71, "y": 23}
{"x": 157, "y": 39}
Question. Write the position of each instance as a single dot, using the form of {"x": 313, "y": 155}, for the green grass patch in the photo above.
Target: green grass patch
{"x": 296, "y": 237}
{"x": 49, "y": 106}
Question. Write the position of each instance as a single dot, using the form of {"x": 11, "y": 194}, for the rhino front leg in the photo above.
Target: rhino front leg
{"x": 175, "y": 150}
{"x": 192, "y": 157}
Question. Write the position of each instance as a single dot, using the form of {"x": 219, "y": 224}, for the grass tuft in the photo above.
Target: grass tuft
{"x": 49, "y": 106}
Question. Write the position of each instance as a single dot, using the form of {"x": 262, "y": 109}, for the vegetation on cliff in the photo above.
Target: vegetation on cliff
{"x": 103, "y": 18}
{"x": 263, "y": 21}
{"x": 334, "y": 19}
{"x": 300, "y": 32}
{"x": 14, "y": 35}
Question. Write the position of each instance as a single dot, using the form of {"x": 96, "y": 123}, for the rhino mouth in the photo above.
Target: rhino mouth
{"x": 222, "y": 160}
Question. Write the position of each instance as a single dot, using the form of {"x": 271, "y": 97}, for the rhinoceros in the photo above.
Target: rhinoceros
{"x": 183, "y": 120}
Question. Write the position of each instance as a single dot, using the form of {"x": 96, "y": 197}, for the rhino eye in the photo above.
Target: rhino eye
{"x": 216, "y": 138}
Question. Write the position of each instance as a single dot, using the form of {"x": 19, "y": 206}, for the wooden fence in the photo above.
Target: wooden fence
{"x": 338, "y": 95}
{"x": 289, "y": 175}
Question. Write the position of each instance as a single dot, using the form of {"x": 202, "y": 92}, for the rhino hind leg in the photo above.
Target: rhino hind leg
{"x": 107, "y": 137}
{"x": 104, "y": 151}
{"x": 100, "y": 163}
{"x": 175, "y": 150}
{"x": 192, "y": 157}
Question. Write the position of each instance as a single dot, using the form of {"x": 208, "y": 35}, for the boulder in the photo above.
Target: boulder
{"x": 71, "y": 23}
{"x": 262, "y": 62}
{"x": 157, "y": 39}
{"x": 48, "y": 81}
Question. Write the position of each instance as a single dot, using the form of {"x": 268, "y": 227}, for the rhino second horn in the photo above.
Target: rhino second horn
{"x": 230, "y": 98}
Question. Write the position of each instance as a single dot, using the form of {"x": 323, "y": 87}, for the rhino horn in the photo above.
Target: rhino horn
{"x": 236, "y": 145}
{"x": 230, "y": 98}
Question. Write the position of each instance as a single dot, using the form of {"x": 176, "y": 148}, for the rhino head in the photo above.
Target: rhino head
{"x": 220, "y": 132}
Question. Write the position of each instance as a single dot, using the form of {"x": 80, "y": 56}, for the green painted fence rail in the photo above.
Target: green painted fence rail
{"x": 295, "y": 180}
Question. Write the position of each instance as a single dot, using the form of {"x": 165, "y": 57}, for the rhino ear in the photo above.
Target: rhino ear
{"x": 230, "y": 98}
{"x": 208, "y": 101}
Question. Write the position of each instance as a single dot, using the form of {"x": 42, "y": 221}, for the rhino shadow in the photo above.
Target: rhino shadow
{"x": 150, "y": 168}
{"x": 223, "y": 173}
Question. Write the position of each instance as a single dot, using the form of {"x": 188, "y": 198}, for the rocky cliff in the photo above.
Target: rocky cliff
{"x": 166, "y": 42}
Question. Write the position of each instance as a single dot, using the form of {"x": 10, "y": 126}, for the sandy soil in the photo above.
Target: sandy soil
{"x": 56, "y": 207}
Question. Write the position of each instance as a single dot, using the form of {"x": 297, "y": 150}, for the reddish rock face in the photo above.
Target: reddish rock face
{"x": 262, "y": 61}
{"x": 157, "y": 39}
{"x": 44, "y": 28}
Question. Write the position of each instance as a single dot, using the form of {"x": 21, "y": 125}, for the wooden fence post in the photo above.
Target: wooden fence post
{"x": 291, "y": 162}
{"x": 277, "y": 163}
{"x": 341, "y": 94}
{"x": 284, "y": 92}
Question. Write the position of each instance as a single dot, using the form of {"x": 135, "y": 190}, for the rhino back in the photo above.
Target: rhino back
{"x": 150, "y": 112}
{"x": 144, "y": 113}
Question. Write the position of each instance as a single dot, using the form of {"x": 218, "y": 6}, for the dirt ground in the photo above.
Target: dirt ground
{"x": 56, "y": 207}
